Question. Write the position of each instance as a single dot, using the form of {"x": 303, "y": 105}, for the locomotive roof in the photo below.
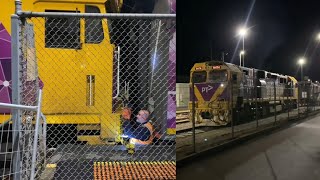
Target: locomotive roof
{"x": 230, "y": 66}
{"x": 236, "y": 68}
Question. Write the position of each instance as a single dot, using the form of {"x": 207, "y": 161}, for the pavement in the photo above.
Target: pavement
{"x": 289, "y": 154}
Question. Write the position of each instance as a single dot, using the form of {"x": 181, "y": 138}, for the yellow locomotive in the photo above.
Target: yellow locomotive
{"x": 223, "y": 91}
{"x": 76, "y": 64}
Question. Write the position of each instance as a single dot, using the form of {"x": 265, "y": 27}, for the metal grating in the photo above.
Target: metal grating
{"x": 134, "y": 170}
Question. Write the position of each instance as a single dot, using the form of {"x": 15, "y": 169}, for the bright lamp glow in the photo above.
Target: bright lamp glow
{"x": 242, "y": 52}
{"x": 301, "y": 61}
{"x": 243, "y": 32}
{"x": 318, "y": 37}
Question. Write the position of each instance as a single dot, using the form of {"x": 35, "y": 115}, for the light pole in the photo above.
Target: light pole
{"x": 241, "y": 54}
{"x": 301, "y": 62}
{"x": 242, "y": 32}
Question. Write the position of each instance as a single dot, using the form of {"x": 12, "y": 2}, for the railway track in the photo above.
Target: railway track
{"x": 182, "y": 116}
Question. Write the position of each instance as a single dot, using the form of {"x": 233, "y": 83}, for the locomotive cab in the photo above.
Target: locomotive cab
{"x": 214, "y": 85}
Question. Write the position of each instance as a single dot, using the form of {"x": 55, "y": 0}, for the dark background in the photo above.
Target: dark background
{"x": 281, "y": 31}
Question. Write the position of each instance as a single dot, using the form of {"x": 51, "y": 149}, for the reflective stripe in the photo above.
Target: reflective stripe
{"x": 149, "y": 141}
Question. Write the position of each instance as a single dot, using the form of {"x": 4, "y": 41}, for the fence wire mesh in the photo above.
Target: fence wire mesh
{"x": 96, "y": 72}
{"x": 257, "y": 107}
{"x": 25, "y": 119}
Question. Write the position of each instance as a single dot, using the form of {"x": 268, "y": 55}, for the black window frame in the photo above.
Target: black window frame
{"x": 218, "y": 71}
{"x": 199, "y": 72}
{"x": 67, "y": 38}
{"x": 261, "y": 74}
{"x": 98, "y": 36}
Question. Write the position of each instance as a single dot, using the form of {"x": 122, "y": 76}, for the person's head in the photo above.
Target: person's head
{"x": 126, "y": 113}
{"x": 142, "y": 116}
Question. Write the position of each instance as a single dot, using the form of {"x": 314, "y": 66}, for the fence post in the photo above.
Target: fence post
{"x": 298, "y": 100}
{"x": 308, "y": 99}
{"x": 16, "y": 92}
{"x": 256, "y": 99}
{"x": 313, "y": 99}
{"x": 35, "y": 139}
{"x": 193, "y": 116}
{"x": 288, "y": 101}
{"x": 232, "y": 110}
{"x": 274, "y": 102}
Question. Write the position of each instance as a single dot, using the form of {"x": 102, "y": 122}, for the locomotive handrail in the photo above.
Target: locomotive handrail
{"x": 18, "y": 106}
{"x": 118, "y": 74}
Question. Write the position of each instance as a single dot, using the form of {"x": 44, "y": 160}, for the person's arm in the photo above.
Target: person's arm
{"x": 135, "y": 130}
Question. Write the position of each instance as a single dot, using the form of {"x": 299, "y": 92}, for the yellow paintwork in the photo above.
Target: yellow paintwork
{"x": 4, "y": 118}
{"x": 73, "y": 119}
{"x": 171, "y": 131}
{"x": 64, "y": 71}
{"x": 295, "y": 82}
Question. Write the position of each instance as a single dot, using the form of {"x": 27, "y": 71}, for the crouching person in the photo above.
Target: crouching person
{"x": 140, "y": 131}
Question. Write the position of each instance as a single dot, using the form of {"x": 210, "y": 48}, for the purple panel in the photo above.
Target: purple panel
{"x": 2, "y": 76}
{"x": 4, "y": 95}
{"x": 5, "y": 43}
{"x": 6, "y": 66}
{"x": 207, "y": 90}
{"x": 5, "y": 71}
{"x": 225, "y": 95}
{"x": 171, "y": 108}
{"x": 171, "y": 113}
{"x": 173, "y": 6}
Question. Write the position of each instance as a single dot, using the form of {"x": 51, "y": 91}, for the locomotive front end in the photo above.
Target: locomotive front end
{"x": 212, "y": 92}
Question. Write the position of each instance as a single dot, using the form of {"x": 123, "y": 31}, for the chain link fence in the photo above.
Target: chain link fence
{"x": 257, "y": 108}
{"x": 93, "y": 67}
{"x": 23, "y": 131}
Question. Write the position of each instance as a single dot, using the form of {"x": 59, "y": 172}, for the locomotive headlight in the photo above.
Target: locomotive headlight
{"x": 221, "y": 85}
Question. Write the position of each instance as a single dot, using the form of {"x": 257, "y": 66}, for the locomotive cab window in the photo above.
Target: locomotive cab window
{"x": 281, "y": 80}
{"x": 218, "y": 76}
{"x": 261, "y": 75}
{"x": 62, "y": 32}
{"x": 93, "y": 26}
{"x": 199, "y": 76}
{"x": 274, "y": 77}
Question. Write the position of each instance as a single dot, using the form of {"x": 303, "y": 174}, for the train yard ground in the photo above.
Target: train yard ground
{"x": 80, "y": 160}
{"x": 208, "y": 137}
{"x": 292, "y": 153}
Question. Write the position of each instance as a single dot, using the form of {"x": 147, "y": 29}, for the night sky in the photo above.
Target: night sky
{"x": 280, "y": 32}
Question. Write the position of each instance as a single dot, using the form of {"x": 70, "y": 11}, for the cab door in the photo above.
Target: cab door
{"x": 97, "y": 57}
{"x": 61, "y": 67}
